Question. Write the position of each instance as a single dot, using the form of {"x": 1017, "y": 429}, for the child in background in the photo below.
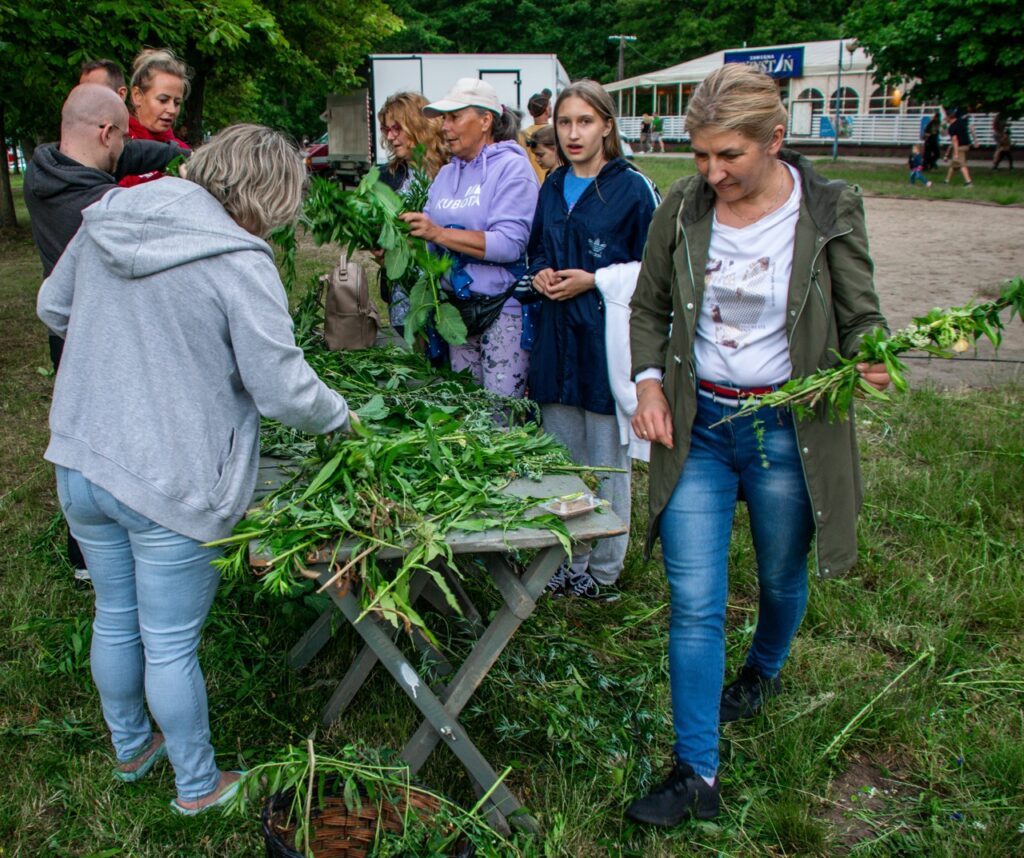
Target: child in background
{"x": 545, "y": 148}
{"x": 916, "y": 164}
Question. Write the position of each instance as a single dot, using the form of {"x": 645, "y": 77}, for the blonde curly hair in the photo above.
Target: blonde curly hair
{"x": 406, "y": 109}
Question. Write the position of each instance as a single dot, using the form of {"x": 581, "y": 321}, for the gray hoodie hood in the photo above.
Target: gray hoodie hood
{"x": 140, "y": 231}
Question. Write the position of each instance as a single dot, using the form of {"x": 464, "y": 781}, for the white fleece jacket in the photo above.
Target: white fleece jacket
{"x": 616, "y": 284}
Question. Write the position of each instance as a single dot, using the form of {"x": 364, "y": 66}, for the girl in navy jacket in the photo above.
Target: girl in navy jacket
{"x": 585, "y": 248}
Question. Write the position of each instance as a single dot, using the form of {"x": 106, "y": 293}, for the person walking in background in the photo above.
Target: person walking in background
{"x": 412, "y": 140}
{"x": 756, "y": 271}
{"x": 479, "y": 211}
{"x": 960, "y": 140}
{"x": 646, "y": 123}
{"x": 63, "y": 179}
{"x": 657, "y": 130}
{"x": 1004, "y": 145}
{"x": 930, "y": 138}
{"x": 916, "y": 164}
{"x": 178, "y": 338}
{"x": 539, "y": 107}
{"x": 585, "y": 248}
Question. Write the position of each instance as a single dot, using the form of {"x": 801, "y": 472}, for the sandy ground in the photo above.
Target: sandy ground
{"x": 941, "y": 253}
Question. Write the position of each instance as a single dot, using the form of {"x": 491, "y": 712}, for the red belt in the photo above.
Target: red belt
{"x": 734, "y": 392}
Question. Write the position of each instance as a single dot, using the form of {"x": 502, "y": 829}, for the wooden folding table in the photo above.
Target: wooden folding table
{"x": 442, "y": 690}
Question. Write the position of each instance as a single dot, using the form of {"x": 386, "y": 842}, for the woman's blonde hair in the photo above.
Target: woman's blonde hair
{"x": 150, "y": 61}
{"x": 738, "y": 98}
{"x": 256, "y": 173}
{"x": 598, "y": 98}
{"x": 406, "y": 109}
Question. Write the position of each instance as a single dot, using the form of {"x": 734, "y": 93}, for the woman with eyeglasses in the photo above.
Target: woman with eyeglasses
{"x": 413, "y": 142}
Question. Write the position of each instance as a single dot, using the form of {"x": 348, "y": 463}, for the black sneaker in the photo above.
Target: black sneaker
{"x": 683, "y": 795}
{"x": 746, "y": 694}
{"x": 556, "y": 586}
{"x": 582, "y": 585}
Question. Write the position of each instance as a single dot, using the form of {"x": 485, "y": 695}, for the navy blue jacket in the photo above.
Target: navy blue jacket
{"x": 608, "y": 225}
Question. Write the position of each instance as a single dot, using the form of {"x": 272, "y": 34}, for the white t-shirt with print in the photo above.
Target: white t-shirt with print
{"x": 741, "y": 331}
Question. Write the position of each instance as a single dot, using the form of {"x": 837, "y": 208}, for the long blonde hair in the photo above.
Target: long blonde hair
{"x": 256, "y": 173}
{"x": 738, "y": 98}
{"x": 598, "y": 98}
{"x": 406, "y": 109}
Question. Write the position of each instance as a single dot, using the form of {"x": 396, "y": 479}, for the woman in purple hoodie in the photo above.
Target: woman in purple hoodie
{"x": 480, "y": 210}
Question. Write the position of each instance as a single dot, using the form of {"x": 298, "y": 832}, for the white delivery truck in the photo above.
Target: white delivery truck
{"x": 354, "y": 141}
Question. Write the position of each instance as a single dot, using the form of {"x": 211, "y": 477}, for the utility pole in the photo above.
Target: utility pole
{"x": 622, "y": 52}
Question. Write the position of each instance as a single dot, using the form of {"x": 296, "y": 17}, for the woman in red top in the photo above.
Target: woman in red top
{"x": 160, "y": 83}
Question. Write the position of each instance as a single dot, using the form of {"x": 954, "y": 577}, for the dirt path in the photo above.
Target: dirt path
{"x": 942, "y": 253}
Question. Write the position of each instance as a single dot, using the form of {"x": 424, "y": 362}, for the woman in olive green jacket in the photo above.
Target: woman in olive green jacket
{"x": 756, "y": 270}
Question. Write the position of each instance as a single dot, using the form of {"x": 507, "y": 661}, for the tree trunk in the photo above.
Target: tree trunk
{"x": 28, "y": 147}
{"x": 201, "y": 65}
{"x": 8, "y": 220}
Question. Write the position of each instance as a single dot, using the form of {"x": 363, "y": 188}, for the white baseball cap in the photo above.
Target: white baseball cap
{"x": 467, "y": 92}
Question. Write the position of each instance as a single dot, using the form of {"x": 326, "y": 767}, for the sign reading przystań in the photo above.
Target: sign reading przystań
{"x": 779, "y": 62}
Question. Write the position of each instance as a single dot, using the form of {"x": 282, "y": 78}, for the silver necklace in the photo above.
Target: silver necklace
{"x": 774, "y": 204}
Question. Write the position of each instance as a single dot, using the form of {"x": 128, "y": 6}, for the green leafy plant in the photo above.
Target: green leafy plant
{"x": 940, "y": 333}
{"x": 366, "y": 218}
{"x": 304, "y": 778}
{"x": 432, "y": 456}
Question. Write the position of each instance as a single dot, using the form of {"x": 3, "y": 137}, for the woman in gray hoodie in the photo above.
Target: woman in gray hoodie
{"x": 177, "y": 338}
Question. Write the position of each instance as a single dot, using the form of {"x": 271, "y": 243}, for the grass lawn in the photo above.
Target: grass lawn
{"x": 901, "y": 730}
{"x": 1000, "y": 186}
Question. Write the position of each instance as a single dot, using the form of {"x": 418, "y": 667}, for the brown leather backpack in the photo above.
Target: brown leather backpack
{"x": 351, "y": 320}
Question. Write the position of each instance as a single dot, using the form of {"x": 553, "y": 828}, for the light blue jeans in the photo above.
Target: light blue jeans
{"x": 154, "y": 588}
{"x": 696, "y": 528}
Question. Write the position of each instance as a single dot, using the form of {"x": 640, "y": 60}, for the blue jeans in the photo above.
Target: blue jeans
{"x": 154, "y": 588}
{"x": 696, "y": 528}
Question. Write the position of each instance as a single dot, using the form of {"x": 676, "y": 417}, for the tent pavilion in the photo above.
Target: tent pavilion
{"x": 821, "y": 83}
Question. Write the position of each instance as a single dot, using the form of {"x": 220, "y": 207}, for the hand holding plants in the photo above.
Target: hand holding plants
{"x": 874, "y": 374}
{"x": 421, "y": 226}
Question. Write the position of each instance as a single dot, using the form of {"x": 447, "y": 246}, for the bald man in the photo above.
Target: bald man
{"x": 63, "y": 179}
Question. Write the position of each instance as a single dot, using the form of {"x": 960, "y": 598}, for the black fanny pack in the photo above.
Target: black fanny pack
{"x": 479, "y": 312}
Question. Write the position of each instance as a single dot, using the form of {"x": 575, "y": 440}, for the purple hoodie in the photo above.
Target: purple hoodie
{"x": 496, "y": 193}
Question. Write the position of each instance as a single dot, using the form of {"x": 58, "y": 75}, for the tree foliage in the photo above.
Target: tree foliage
{"x": 667, "y": 32}
{"x": 969, "y": 55}
{"x": 262, "y": 60}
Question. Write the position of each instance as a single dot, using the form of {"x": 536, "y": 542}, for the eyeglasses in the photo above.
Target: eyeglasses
{"x": 391, "y": 130}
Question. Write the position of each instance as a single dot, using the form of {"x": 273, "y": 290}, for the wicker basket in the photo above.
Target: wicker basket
{"x": 337, "y": 832}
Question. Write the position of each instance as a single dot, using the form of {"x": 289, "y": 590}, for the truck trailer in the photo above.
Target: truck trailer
{"x": 354, "y": 140}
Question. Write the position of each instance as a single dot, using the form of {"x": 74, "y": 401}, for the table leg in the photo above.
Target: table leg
{"x": 314, "y": 640}
{"x": 446, "y": 726}
{"x": 520, "y": 602}
{"x": 364, "y": 662}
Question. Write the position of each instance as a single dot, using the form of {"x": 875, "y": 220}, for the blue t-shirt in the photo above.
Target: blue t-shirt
{"x": 574, "y": 187}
